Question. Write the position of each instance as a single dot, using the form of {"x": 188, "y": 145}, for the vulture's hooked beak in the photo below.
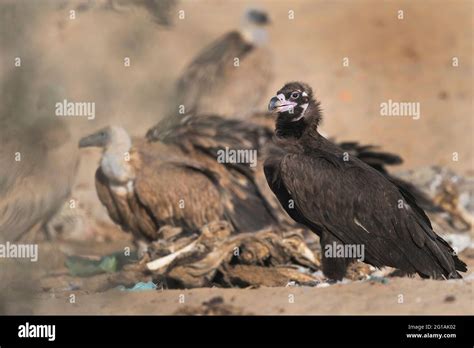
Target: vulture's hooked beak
{"x": 280, "y": 104}
{"x": 96, "y": 139}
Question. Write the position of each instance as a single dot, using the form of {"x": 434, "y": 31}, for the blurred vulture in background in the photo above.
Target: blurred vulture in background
{"x": 230, "y": 76}
{"x": 39, "y": 162}
{"x": 159, "y": 10}
{"x": 145, "y": 186}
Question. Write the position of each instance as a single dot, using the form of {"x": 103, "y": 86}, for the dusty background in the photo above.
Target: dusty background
{"x": 402, "y": 60}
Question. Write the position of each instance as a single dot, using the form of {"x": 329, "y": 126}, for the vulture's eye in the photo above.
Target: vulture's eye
{"x": 295, "y": 95}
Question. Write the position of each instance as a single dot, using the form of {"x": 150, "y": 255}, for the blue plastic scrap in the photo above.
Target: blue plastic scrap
{"x": 140, "y": 286}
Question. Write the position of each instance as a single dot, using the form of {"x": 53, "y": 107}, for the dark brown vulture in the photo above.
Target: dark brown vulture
{"x": 148, "y": 185}
{"x": 345, "y": 201}
{"x": 235, "y": 67}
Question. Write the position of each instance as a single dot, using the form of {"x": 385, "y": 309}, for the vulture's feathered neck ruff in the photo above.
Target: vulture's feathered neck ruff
{"x": 254, "y": 36}
{"x": 116, "y": 145}
{"x": 114, "y": 163}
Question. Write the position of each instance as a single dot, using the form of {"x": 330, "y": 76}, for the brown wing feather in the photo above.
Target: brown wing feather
{"x": 125, "y": 209}
{"x": 179, "y": 196}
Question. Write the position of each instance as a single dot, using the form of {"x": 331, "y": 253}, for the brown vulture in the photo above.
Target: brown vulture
{"x": 345, "y": 201}
{"x": 146, "y": 185}
{"x": 223, "y": 73}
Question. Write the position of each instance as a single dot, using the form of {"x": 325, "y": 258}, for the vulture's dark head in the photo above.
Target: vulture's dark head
{"x": 256, "y": 17}
{"x": 295, "y": 106}
{"x": 106, "y": 137}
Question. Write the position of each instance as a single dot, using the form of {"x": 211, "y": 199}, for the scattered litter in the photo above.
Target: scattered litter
{"x": 469, "y": 278}
{"x": 140, "y": 286}
{"x": 377, "y": 279}
{"x": 459, "y": 242}
{"x": 454, "y": 194}
{"x": 71, "y": 287}
{"x": 86, "y": 267}
{"x": 323, "y": 285}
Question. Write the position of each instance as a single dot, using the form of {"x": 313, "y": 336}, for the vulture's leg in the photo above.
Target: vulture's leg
{"x": 333, "y": 267}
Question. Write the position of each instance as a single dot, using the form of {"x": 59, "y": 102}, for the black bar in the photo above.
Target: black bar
{"x": 287, "y": 330}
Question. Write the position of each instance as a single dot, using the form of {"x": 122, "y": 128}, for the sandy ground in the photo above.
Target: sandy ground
{"x": 393, "y": 296}
{"x": 408, "y": 60}
{"x": 419, "y": 297}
